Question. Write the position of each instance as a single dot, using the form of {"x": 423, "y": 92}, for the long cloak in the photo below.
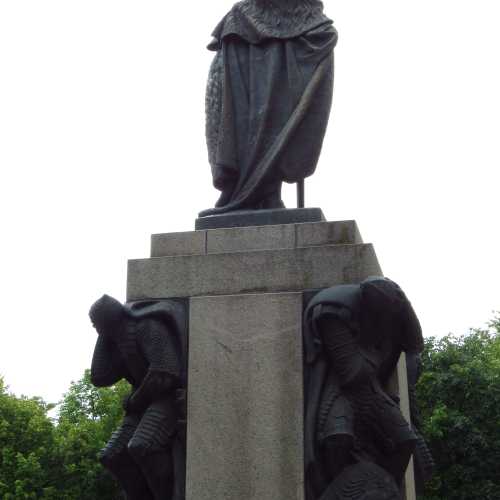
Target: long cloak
{"x": 268, "y": 101}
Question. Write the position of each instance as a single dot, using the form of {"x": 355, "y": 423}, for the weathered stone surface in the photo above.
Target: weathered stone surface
{"x": 399, "y": 385}
{"x": 255, "y": 238}
{"x": 245, "y": 398}
{"x": 245, "y": 218}
{"x": 250, "y": 272}
{"x": 187, "y": 243}
{"x": 328, "y": 233}
{"x": 251, "y": 238}
{"x": 245, "y": 378}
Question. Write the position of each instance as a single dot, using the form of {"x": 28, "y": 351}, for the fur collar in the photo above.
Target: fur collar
{"x": 258, "y": 20}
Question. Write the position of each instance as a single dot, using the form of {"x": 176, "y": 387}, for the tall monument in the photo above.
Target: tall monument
{"x": 298, "y": 358}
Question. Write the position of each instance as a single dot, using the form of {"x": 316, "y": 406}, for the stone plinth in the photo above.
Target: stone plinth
{"x": 245, "y": 398}
{"x": 245, "y": 385}
{"x": 247, "y": 218}
{"x": 286, "y": 236}
{"x": 252, "y": 260}
{"x": 399, "y": 385}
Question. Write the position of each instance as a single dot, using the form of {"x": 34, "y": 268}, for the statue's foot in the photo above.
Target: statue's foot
{"x": 224, "y": 198}
{"x": 272, "y": 201}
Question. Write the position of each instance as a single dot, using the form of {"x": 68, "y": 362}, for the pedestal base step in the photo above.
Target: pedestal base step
{"x": 245, "y": 218}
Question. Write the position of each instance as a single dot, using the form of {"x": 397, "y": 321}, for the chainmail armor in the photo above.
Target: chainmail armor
{"x": 157, "y": 345}
{"x": 213, "y": 107}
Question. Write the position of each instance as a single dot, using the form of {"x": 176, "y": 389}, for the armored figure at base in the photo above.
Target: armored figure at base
{"x": 356, "y": 435}
{"x": 144, "y": 345}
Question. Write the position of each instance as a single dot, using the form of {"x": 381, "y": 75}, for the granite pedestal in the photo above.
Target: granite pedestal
{"x": 245, "y": 385}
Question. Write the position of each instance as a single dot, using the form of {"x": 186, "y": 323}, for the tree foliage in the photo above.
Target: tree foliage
{"x": 43, "y": 459}
{"x": 27, "y": 440}
{"x": 459, "y": 395}
{"x": 87, "y": 417}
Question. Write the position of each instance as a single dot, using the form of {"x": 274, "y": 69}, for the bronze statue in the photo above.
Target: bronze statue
{"x": 355, "y": 432}
{"x": 268, "y": 99}
{"x": 144, "y": 344}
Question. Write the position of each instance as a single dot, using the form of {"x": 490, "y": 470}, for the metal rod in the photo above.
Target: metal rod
{"x": 300, "y": 194}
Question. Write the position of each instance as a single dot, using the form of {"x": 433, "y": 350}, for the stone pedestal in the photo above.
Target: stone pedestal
{"x": 245, "y": 398}
{"x": 245, "y": 386}
{"x": 399, "y": 385}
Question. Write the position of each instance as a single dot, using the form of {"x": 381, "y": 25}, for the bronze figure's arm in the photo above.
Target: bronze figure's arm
{"x": 107, "y": 366}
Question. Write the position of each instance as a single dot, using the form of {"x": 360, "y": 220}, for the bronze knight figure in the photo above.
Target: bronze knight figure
{"x": 358, "y": 444}
{"x": 144, "y": 344}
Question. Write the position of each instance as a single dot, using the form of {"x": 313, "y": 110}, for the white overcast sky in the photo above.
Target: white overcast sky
{"x": 102, "y": 144}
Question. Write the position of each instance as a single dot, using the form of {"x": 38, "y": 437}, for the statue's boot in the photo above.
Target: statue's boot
{"x": 115, "y": 458}
{"x": 129, "y": 475}
{"x": 157, "y": 468}
{"x": 151, "y": 447}
{"x": 272, "y": 198}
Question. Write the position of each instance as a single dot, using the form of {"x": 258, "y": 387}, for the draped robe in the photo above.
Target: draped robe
{"x": 268, "y": 101}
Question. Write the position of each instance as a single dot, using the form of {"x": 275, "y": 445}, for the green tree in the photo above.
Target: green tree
{"x": 87, "y": 417}
{"x": 459, "y": 396}
{"x": 43, "y": 459}
{"x": 26, "y": 444}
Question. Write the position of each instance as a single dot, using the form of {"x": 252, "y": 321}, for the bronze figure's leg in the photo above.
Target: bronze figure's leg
{"x": 362, "y": 481}
{"x": 395, "y": 437}
{"x": 151, "y": 448}
{"x": 337, "y": 437}
{"x": 115, "y": 458}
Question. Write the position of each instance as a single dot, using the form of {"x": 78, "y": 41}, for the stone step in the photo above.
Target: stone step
{"x": 284, "y": 236}
{"x": 263, "y": 271}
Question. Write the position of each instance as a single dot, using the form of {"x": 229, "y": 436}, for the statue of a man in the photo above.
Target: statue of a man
{"x": 268, "y": 99}
{"x": 143, "y": 346}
